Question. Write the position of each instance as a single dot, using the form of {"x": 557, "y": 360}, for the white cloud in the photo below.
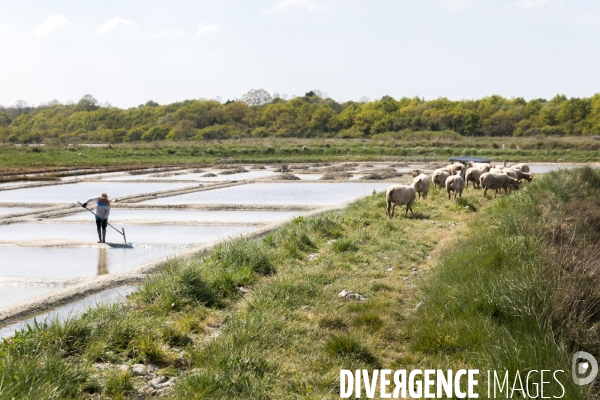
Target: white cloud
{"x": 193, "y": 54}
{"x": 457, "y": 4}
{"x": 285, "y": 5}
{"x": 167, "y": 33}
{"x": 126, "y": 27}
{"x": 53, "y": 24}
{"x": 206, "y": 30}
{"x": 529, "y": 4}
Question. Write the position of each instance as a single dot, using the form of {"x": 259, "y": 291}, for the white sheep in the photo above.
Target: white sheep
{"x": 455, "y": 168}
{"x": 510, "y": 172}
{"x": 485, "y": 167}
{"x": 456, "y": 184}
{"x": 496, "y": 181}
{"x": 421, "y": 185}
{"x": 522, "y": 175}
{"x": 439, "y": 177}
{"x": 473, "y": 175}
{"x": 521, "y": 167}
{"x": 399, "y": 195}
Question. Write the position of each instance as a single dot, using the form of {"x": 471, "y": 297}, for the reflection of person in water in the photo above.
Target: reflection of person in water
{"x": 102, "y": 212}
{"x": 102, "y": 264}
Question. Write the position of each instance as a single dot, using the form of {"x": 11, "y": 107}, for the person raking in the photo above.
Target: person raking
{"x": 102, "y": 212}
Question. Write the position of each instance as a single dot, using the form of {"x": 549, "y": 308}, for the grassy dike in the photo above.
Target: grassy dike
{"x": 520, "y": 290}
{"x": 453, "y": 286}
{"x": 415, "y": 147}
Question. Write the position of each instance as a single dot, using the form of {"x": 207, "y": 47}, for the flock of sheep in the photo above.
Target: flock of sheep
{"x": 454, "y": 177}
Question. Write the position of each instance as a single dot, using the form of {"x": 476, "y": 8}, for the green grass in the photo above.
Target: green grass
{"x": 494, "y": 299}
{"x": 17, "y": 160}
{"x": 517, "y": 291}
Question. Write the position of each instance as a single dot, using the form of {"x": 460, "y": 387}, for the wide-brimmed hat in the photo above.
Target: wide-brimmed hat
{"x": 104, "y": 196}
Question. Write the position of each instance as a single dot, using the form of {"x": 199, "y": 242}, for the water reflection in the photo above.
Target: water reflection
{"x": 102, "y": 262}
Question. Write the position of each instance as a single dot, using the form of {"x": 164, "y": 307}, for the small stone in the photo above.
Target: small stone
{"x": 418, "y": 305}
{"x": 139, "y": 369}
{"x": 156, "y": 382}
{"x": 152, "y": 367}
{"x": 243, "y": 290}
{"x": 332, "y": 241}
{"x": 349, "y": 294}
{"x": 313, "y": 257}
{"x": 305, "y": 308}
{"x": 388, "y": 269}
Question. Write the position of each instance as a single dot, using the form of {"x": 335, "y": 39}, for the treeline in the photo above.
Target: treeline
{"x": 259, "y": 114}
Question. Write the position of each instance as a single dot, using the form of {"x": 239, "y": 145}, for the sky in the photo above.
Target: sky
{"x": 127, "y": 52}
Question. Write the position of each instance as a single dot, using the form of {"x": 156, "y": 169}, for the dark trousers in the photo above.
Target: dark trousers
{"x": 101, "y": 223}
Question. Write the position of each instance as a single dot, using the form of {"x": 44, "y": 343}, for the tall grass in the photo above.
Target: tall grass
{"x": 520, "y": 290}
{"x": 259, "y": 318}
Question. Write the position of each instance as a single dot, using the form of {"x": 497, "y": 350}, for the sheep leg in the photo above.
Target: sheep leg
{"x": 484, "y": 191}
{"x": 389, "y": 204}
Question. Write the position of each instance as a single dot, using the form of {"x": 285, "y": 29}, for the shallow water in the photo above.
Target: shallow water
{"x": 15, "y": 183}
{"x": 74, "y": 309}
{"x": 100, "y": 175}
{"x": 187, "y": 216}
{"x": 14, "y": 210}
{"x": 60, "y": 264}
{"x": 71, "y": 193}
{"x": 278, "y": 194}
{"x": 137, "y": 234}
{"x": 200, "y": 176}
{"x": 545, "y": 168}
{"x": 16, "y": 294}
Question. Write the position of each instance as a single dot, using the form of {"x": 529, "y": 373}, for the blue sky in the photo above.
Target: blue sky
{"x": 128, "y": 52}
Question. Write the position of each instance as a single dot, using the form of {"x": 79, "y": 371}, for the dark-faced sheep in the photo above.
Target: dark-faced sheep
{"x": 421, "y": 185}
{"x": 496, "y": 181}
{"x": 521, "y": 167}
{"x": 456, "y": 184}
{"x": 522, "y": 175}
{"x": 400, "y": 195}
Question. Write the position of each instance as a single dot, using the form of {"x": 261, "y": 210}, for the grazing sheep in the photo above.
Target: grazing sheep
{"x": 456, "y": 184}
{"x": 485, "y": 167}
{"x": 522, "y": 175}
{"x": 521, "y": 167}
{"x": 439, "y": 177}
{"x": 510, "y": 172}
{"x": 455, "y": 168}
{"x": 421, "y": 185}
{"x": 399, "y": 195}
{"x": 473, "y": 175}
{"x": 416, "y": 172}
{"x": 491, "y": 180}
